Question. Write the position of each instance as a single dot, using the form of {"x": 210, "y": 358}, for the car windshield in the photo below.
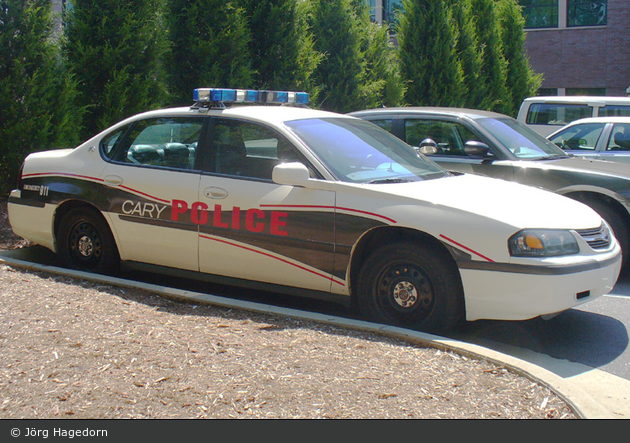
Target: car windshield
{"x": 523, "y": 142}
{"x": 360, "y": 152}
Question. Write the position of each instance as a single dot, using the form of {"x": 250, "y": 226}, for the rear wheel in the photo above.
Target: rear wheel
{"x": 85, "y": 242}
{"x": 411, "y": 286}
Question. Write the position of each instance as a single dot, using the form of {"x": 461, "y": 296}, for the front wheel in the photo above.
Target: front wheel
{"x": 412, "y": 286}
{"x": 85, "y": 242}
{"x": 616, "y": 223}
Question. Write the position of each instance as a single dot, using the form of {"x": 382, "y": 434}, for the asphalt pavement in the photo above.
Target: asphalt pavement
{"x": 592, "y": 393}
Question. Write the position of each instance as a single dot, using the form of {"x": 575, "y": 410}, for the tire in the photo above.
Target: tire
{"x": 411, "y": 286}
{"x": 86, "y": 243}
{"x": 616, "y": 223}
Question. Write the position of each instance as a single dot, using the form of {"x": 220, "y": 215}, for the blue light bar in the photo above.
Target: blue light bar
{"x": 277, "y": 97}
{"x": 214, "y": 95}
{"x": 221, "y": 95}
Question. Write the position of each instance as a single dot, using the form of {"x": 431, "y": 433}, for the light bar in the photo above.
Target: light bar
{"x": 220, "y": 95}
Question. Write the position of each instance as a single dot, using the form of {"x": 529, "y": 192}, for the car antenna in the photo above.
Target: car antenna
{"x": 379, "y": 100}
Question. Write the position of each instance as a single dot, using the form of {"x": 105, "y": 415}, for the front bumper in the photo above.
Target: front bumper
{"x": 505, "y": 295}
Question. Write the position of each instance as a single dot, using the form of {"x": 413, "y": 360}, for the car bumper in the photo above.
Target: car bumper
{"x": 521, "y": 295}
{"x": 31, "y": 220}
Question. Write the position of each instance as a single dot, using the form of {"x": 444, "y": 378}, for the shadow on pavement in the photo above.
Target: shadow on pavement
{"x": 587, "y": 338}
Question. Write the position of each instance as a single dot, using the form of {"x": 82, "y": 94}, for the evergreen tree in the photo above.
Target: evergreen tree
{"x": 382, "y": 83}
{"x": 427, "y": 40}
{"x": 468, "y": 52}
{"x": 309, "y": 57}
{"x": 209, "y": 47}
{"x": 492, "y": 75}
{"x": 38, "y": 108}
{"x": 116, "y": 50}
{"x": 521, "y": 80}
{"x": 336, "y": 35}
{"x": 281, "y": 46}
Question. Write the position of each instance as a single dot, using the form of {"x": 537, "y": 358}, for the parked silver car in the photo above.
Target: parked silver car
{"x": 496, "y": 145}
{"x": 602, "y": 138}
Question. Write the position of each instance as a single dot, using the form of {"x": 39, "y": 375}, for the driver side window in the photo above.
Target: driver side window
{"x": 583, "y": 137}
{"x": 249, "y": 150}
{"x": 443, "y": 137}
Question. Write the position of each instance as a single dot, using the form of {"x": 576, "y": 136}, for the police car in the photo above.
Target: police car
{"x": 294, "y": 200}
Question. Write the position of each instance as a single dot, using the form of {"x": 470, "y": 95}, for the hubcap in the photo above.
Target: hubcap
{"x": 405, "y": 294}
{"x": 85, "y": 246}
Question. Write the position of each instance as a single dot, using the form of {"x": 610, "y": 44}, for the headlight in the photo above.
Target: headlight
{"x": 542, "y": 243}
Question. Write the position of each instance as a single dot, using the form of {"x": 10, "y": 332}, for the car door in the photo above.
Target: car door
{"x": 152, "y": 169}
{"x": 252, "y": 228}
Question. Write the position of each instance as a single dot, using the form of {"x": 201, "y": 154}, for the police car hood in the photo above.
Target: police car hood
{"x": 511, "y": 203}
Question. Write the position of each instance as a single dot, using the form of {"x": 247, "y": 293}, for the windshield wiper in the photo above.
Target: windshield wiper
{"x": 556, "y": 156}
{"x": 389, "y": 180}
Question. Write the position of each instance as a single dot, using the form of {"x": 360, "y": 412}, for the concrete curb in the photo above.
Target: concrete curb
{"x": 582, "y": 403}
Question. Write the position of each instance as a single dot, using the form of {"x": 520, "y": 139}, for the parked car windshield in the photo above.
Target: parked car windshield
{"x": 523, "y": 142}
{"x": 360, "y": 152}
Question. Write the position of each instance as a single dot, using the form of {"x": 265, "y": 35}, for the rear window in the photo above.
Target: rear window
{"x": 163, "y": 141}
{"x": 557, "y": 113}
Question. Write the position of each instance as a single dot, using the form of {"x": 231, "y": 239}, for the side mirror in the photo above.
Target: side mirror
{"x": 293, "y": 174}
{"x": 428, "y": 146}
{"x": 476, "y": 149}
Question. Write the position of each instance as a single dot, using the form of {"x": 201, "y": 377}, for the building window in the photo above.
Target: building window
{"x": 66, "y": 7}
{"x": 540, "y": 13}
{"x": 391, "y": 8}
{"x": 586, "y": 91}
{"x": 587, "y": 12}
{"x": 547, "y": 91}
{"x": 372, "y": 6}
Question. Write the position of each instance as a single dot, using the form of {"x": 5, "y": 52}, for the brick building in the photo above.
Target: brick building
{"x": 580, "y": 46}
{"x": 587, "y": 54}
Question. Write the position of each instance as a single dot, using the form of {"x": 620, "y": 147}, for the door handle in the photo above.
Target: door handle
{"x": 215, "y": 193}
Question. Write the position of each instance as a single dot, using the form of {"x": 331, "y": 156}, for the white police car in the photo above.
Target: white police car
{"x": 313, "y": 204}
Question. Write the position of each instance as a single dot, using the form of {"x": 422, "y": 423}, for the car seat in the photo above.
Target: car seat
{"x": 622, "y": 140}
{"x": 230, "y": 151}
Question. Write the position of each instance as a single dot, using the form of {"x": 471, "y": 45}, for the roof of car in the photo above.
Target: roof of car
{"x": 605, "y": 119}
{"x": 577, "y": 99}
{"x": 276, "y": 113}
{"x": 471, "y": 113}
{"x": 269, "y": 113}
